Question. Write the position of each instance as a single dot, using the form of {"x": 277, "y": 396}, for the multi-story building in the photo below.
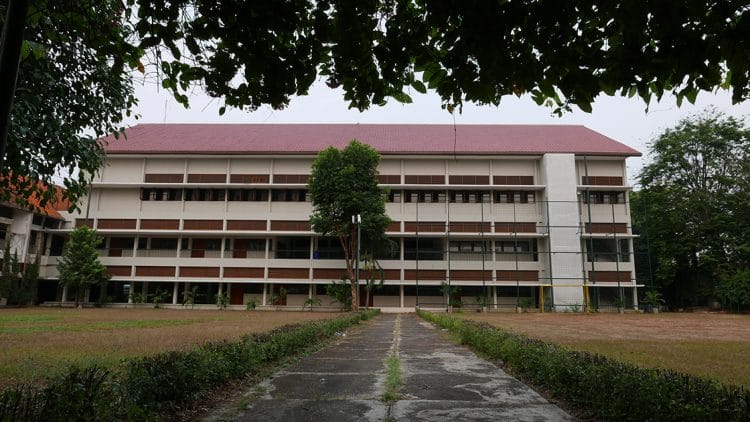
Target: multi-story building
{"x": 517, "y": 215}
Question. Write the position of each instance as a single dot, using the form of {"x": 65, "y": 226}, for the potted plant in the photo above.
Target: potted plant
{"x": 654, "y": 300}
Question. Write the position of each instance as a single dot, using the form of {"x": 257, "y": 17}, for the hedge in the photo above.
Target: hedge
{"x": 142, "y": 387}
{"x": 599, "y": 387}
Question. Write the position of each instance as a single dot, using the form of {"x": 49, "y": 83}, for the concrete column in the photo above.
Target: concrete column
{"x": 562, "y": 218}
{"x": 401, "y": 294}
{"x": 265, "y": 287}
{"x": 175, "y": 290}
{"x": 494, "y": 295}
{"x": 310, "y": 291}
{"x": 221, "y": 288}
{"x": 64, "y": 294}
{"x": 130, "y": 294}
{"x": 635, "y": 298}
{"x": 144, "y": 291}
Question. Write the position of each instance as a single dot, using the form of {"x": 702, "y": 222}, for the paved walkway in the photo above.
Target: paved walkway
{"x": 441, "y": 382}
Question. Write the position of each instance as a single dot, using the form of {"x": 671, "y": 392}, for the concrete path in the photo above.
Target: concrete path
{"x": 441, "y": 382}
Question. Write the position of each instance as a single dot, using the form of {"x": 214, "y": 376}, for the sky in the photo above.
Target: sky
{"x": 624, "y": 119}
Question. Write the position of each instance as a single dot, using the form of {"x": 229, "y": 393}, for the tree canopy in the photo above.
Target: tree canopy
{"x": 344, "y": 183}
{"x": 76, "y": 67}
{"x": 79, "y": 266}
{"x": 693, "y": 210}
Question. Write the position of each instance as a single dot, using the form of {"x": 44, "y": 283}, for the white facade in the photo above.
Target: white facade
{"x": 237, "y": 223}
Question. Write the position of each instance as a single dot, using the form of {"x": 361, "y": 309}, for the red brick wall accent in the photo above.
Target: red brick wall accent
{"x": 207, "y": 178}
{"x": 249, "y": 178}
{"x": 389, "y": 179}
{"x": 199, "y": 271}
{"x": 163, "y": 178}
{"x": 154, "y": 271}
{"x": 295, "y": 273}
{"x": 425, "y": 179}
{"x": 160, "y": 224}
{"x": 470, "y": 227}
{"x": 518, "y": 275}
{"x": 515, "y": 227}
{"x": 203, "y": 225}
{"x": 328, "y": 273}
{"x": 113, "y": 223}
{"x": 83, "y": 222}
{"x": 606, "y": 227}
{"x": 294, "y": 226}
{"x": 425, "y": 226}
{"x": 471, "y": 275}
{"x": 392, "y": 274}
{"x": 394, "y": 227}
{"x": 610, "y": 276}
{"x": 246, "y": 224}
{"x": 513, "y": 180}
{"x": 424, "y": 275}
{"x": 602, "y": 180}
{"x": 119, "y": 270}
{"x": 243, "y": 272}
{"x": 468, "y": 180}
{"x": 290, "y": 178}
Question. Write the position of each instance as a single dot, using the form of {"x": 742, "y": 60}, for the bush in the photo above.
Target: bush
{"x": 159, "y": 382}
{"x": 602, "y": 388}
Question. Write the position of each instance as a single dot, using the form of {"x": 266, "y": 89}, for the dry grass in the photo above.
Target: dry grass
{"x": 37, "y": 343}
{"x": 710, "y": 345}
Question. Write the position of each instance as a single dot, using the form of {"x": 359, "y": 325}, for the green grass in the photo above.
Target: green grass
{"x": 392, "y": 379}
{"x": 92, "y": 326}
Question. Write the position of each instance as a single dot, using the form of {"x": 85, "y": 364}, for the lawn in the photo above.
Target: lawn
{"x": 40, "y": 342}
{"x": 711, "y": 345}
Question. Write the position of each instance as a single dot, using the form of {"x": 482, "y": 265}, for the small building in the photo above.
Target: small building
{"x": 511, "y": 215}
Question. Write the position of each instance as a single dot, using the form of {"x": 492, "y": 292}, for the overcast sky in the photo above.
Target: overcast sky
{"x": 625, "y": 120}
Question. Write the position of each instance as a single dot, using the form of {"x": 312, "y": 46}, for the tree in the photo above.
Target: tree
{"x": 250, "y": 54}
{"x": 344, "y": 183}
{"x": 373, "y": 274}
{"x": 17, "y": 286}
{"x": 79, "y": 265}
{"x": 694, "y": 202}
{"x": 74, "y": 86}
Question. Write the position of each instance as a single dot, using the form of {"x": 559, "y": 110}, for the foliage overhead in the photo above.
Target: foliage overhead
{"x": 79, "y": 266}
{"x": 693, "y": 208}
{"x": 74, "y": 86}
{"x": 342, "y": 184}
{"x": 475, "y": 51}
{"x": 75, "y": 80}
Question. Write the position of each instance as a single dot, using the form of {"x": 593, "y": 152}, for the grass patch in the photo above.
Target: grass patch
{"x": 714, "y": 346}
{"x": 392, "y": 379}
{"x": 41, "y": 342}
{"x": 143, "y": 387}
{"x": 600, "y": 387}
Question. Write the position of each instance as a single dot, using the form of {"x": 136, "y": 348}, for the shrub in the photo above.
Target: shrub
{"x": 600, "y": 387}
{"x": 159, "y": 382}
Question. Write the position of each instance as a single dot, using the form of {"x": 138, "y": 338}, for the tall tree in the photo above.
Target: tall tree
{"x": 79, "y": 266}
{"x": 344, "y": 183}
{"x": 694, "y": 202}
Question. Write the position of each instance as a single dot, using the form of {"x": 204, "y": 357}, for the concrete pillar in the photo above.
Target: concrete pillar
{"x": 175, "y": 290}
{"x": 265, "y": 287}
{"x": 494, "y": 295}
{"x": 635, "y": 298}
{"x": 64, "y": 294}
{"x": 310, "y": 291}
{"x": 130, "y": 293}
{"x": 401, "y": 294}
{"x": 564, "y": 240}
{"x": 221, "y": 288}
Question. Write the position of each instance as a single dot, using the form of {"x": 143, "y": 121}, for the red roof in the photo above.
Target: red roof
{"x": 386, "y": 138}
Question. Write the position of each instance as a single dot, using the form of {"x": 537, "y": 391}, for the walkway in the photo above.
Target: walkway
{"x": 441, "y": 382}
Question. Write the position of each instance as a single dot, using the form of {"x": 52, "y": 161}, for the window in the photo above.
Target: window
{"x": 518, "y": 197}
{"x": 164, "y": 243}
{"x": 425, "y": 196}
{"x": 468, "y": 249}
{"x": 522, "y": 250}
{"x": 329, "y": 248}
{"x": 393, "y": 196}
{"x": 293, "y": 248}
{"x": 205, "y": 194}
{"x": 289, "y": 195}
{"x": 161, "y": 194}
{"x": 430, "y": 249}
{"x": 391, "y": 251}
{"x": 602, "y": 197}
{"x": 608, "y": 250}
{"x": 56, "y": 245}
